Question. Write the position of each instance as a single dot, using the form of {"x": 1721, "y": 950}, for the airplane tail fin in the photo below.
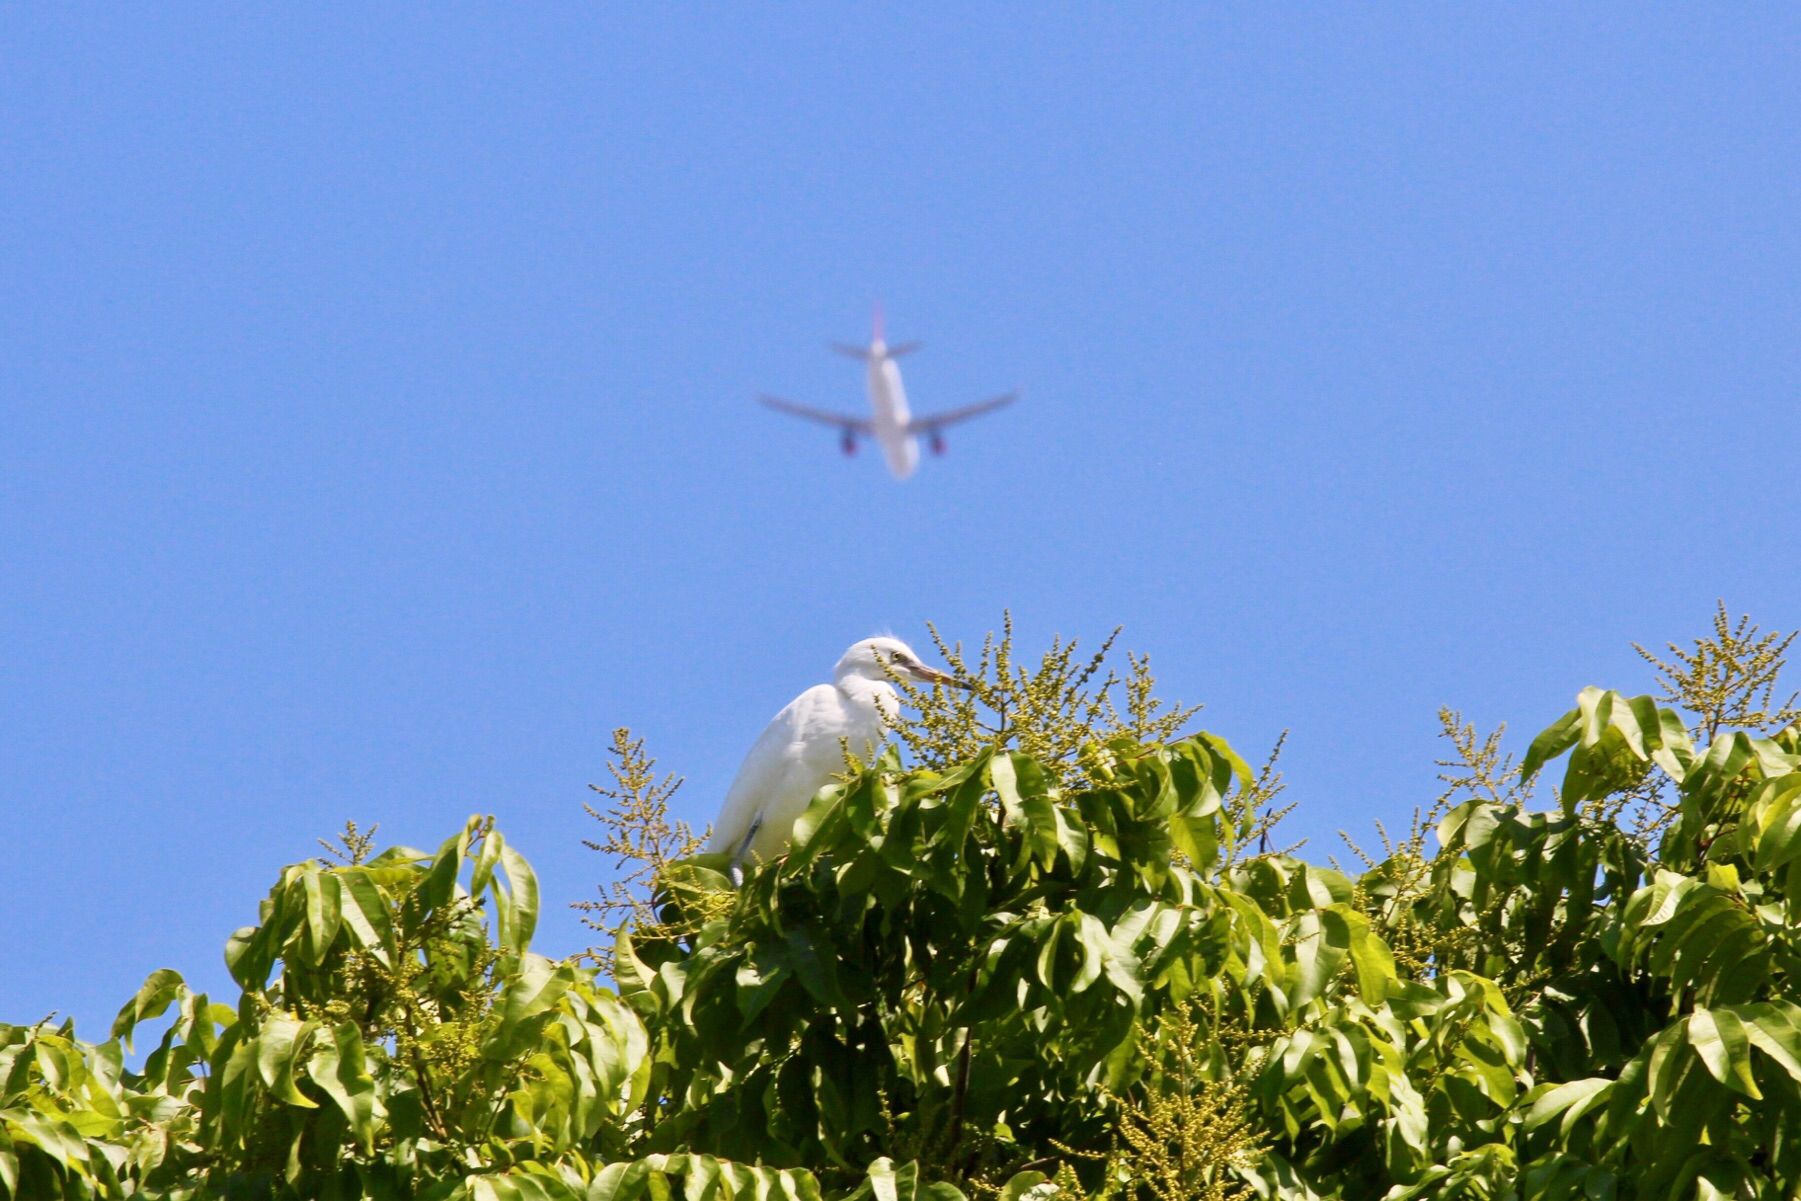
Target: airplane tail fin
{"x": 876, "y": 332}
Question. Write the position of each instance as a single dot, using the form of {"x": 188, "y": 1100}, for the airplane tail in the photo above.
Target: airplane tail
{"x": 862, "y": 355}
{"x": 876, "y": 334}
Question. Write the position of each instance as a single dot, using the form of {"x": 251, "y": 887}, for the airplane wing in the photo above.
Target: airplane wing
{"x": 857, "y": 425}
{"x": 925, "y": 423}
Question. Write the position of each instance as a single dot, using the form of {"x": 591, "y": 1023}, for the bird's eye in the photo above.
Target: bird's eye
{"x": 901, "y": 659}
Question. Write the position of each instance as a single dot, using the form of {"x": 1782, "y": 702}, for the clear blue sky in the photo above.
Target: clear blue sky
{"x": 378, "y": 424}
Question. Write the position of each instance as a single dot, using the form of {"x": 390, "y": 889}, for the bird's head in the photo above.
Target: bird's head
{"x": 866, "y": 659}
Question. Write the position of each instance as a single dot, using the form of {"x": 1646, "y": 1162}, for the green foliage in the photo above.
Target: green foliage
{"x": 1067, "y": 714}
{"x": 1029, "y": 954}
{"x": 1729, "y": 680}
{"x": 933, "y": 970}
{"x": 635, "y": 829}
{"x": 395, "y": 1036}
{"x": 1062, "y": 713}
{"x": 1192, "y": 1135}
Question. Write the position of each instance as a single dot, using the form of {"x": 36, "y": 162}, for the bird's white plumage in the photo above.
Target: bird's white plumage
{"x": 801, "y": 749}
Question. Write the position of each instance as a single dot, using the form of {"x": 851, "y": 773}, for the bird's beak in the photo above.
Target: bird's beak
{"x": 932, "y": 675}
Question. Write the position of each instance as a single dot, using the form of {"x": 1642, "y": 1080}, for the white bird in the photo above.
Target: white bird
{"x": 801, "y": 750}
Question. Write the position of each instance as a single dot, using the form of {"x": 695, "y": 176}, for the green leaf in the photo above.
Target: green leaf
{"x": 340, "y": 1070}
{"x": 1024, "y": 791}
{"x": 759, "y": 979}
{"x": 815, "y": 828}
{"x": 1317, "y": 957}
{"x": 1568, "y": 1101}
{"x": 153, "y": 998}
{"x": 1092, "y": 938}
{"x": 881, "y": 1180}
{"x": 1050, "y": 938}
{"x": 440, "y": 886}
{"x": 1370, "y": 957}
{"x": 1005, "y": 780}
{"x": 280, "y": 1048}
{"x": 518, "y": 906}
{"x": 535, "y": 987}
{"x": 1610, "y": 734}
{"x": 1772, "y": 823}
{"x": 1028, "y": 1186}
{"x": 1719, "y": 1039}
{"x": 1551, "y": 742}
{"x": 816, "y": 972}
{"x": 366, "y": 915}
{"x": 1774, "y": 1027}
{"x": 1072, "y": 837}
{"x": 57, "y": 1139}
{"x": 1197, "y": 837}
{"x": 323, "y": 915}
{"x": 619, "y": 1181}
{"x": 1043, "y": 832}
{"x": 963, "y": 790}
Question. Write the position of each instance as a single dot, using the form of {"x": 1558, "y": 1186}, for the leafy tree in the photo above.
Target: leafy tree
{"x": 642, "y": 841}
{"x": 1039, "y": 949}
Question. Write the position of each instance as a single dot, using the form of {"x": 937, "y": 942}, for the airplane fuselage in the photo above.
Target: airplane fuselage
{"x": 891, "y": 424}
{"x": 889, "y": 414}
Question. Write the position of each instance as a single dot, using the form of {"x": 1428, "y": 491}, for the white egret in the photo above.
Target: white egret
{"x": 801, "y": 749}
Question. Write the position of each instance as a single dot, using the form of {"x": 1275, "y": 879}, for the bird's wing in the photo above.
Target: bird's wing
{"x": 925, "y": 423}
{"x": 763, "y": 776}
{"x": 841, "y": 421}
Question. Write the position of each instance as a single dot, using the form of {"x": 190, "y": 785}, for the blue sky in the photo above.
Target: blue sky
{"x": 379, "y": 434}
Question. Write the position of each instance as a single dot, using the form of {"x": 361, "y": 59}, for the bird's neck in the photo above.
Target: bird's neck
{"x": 871, "y": 693}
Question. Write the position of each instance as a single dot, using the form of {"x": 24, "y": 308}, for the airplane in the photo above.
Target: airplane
{"x": 891, "y": 424}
